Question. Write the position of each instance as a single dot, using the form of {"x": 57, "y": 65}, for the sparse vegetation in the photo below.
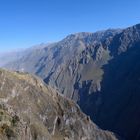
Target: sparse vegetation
{"x": 15, "y": 120}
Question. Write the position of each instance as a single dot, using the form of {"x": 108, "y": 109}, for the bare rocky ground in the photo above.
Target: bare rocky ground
{"x": 32, "y": 110}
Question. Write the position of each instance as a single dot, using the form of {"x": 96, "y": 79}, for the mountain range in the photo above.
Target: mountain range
{"x": 99, "y": 71}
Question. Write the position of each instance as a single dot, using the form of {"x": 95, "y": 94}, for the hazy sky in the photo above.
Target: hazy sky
{"x": 24, "y": 23}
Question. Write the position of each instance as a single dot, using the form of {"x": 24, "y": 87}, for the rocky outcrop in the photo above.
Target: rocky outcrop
{"x": 30, "y": 110}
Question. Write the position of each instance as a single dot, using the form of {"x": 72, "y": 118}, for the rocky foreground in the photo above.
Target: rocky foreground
{"x": 31, "y": 110}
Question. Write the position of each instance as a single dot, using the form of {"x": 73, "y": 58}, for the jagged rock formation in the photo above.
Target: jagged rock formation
{"x": 30, "y": 110}
{"x": 100, "y": 71}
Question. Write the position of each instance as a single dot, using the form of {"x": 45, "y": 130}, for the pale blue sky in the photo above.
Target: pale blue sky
{"x": 24, "y": 23}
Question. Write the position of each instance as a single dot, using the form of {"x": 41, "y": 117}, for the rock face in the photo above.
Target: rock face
{"x": 30, "y": 110}
{"x": 99, "y": 71}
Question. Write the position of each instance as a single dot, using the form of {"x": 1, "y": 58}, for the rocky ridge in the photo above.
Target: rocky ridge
{"x": 31, "y": 110}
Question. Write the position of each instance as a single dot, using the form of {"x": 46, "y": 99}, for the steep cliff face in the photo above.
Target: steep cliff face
{"x": 30, "y": 110}
{"x": 116, "y": 106}
{"x": 120, "y": 92}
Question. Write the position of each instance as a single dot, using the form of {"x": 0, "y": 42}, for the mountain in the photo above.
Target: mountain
{"x": 116, "y": 106}
{"x": 31, "y": 110}
{"x": 9, "y": 57}
{"x": 62, "y": 59}
{"x": 99, "y": 71}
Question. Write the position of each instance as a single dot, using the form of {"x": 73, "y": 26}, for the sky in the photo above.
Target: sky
{"x": 24, "y": 23}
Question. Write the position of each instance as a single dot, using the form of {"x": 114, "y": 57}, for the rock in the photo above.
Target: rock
{"x": 31, "y": 110}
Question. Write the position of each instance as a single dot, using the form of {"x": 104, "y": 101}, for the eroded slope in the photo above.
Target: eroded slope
{"x": 31, "y": 110}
